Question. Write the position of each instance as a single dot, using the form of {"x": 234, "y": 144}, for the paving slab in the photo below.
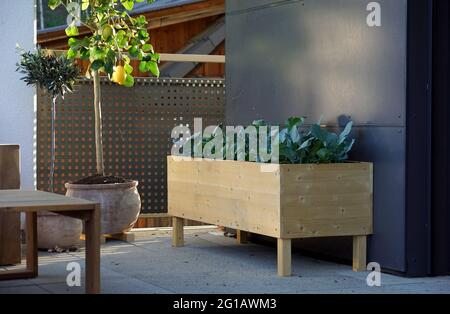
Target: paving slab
{"x": 27, "y": 289}
{"x": 210, "y": 263}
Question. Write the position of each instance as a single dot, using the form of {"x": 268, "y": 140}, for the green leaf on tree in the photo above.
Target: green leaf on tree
{"x": 72, "y": 30}
{"x": 96, "y": 65}
{"x": 143, "y": 66}
{"x": 114, "y": 35}
{"x": 85, "y": 5}
{"x": 129, "y": 81}
{"x": 71, "y": 54}
{"x": 128, "y": 68}
{"x": 53, "y": 4}
{"x": 153, "y": 67}
{"x": 127, "y": 4}
{"x": 147, "y": 48}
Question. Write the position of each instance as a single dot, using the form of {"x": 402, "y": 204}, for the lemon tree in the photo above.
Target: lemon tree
{"x": 115, "y": 37}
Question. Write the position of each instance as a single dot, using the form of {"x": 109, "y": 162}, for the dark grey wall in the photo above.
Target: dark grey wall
{"x": 320, "y": 58}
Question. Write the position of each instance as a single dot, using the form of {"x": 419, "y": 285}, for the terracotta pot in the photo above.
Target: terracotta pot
{"x": 120, "y": 203}
{"x": 58, "y": 231}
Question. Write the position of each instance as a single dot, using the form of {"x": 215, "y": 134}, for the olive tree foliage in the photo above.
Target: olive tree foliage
{"x": 56, "y": 75}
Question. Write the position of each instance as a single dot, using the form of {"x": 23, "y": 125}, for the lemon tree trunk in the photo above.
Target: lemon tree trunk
{"x": 98, "y": 124}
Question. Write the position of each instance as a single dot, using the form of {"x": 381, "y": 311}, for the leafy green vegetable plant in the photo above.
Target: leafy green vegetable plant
{"x": 313, "y": 145}
{"x": 115, "y": 37}
{"x": 328, "y": 147}
{"x": 297, "y": 143}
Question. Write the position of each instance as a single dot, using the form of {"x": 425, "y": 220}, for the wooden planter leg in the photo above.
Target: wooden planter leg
{"x": 177, "y": 232}
{"x": 359, "y": 253}
{"x": 284, "y": 257}
{"x": 242, "y": 237}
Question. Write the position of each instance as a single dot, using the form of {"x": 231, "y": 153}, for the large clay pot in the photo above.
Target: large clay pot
{"x": 56, "y": 231}
{"x": 120, "y": 203}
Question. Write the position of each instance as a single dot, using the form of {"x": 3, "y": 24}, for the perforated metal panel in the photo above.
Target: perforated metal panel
{"x": 137, "y": 124}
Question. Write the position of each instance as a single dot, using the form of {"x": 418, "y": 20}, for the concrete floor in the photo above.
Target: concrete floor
{"x": 210, "y": 263}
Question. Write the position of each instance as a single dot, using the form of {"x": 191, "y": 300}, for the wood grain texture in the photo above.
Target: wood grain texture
{"x": 92, "y": 229}
{"x": 197, "y": 58}
{"x": 326, "y": 200}
{"x": 9, "y": 222}
{"x": 24, "y": 201}
{"x": 158, "y": 20}
{"x": 177, "y": 232}
{"x": 32, "y": 247}
{"x": 294, "y": 201}
{"x": 359, "y": 253}
{"x": 241, "y": 237}
{"x": 288, "y": 202}
{"x": 124, "y": 237}
{"x": 226, "y": 193}
{"x": 284, "y": 257}
{"x": 160, "y": 220}
{"x": 33, "y": 202}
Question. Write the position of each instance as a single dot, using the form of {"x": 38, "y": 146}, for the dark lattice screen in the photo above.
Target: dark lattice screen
{"x": 137, "y": 123}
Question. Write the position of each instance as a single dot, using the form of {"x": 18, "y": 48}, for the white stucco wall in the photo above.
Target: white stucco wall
{"x": 17, "y": 101}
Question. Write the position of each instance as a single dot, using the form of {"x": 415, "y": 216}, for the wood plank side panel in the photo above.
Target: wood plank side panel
{"x": 326, "y": 200}
{"x": 9, "y": 222}
{"x": 225, "y": 193}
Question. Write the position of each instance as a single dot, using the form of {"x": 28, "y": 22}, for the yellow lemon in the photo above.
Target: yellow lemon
{"x": 119, "y": 75}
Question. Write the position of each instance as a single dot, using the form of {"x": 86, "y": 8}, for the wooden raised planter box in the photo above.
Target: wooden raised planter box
{"x": 282, "y": 201}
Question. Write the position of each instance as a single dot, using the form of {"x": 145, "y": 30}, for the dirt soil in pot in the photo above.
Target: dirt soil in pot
{"x": 99, "y": 179}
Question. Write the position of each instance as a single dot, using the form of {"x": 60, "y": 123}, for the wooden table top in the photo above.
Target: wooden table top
{"x": 34, "y": 201}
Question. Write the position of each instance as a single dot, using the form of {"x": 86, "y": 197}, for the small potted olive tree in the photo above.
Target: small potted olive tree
{"x": 56, "y": 76}
{"x": 114, "y": 38}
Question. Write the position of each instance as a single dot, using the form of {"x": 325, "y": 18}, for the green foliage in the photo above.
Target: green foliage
{"x": 247, "y": 152}
{"x": 297, "y": 144}
{"x": 328, "y": 147}
{"x": 115, "y": 38}
{"x": 55, "y": 74}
